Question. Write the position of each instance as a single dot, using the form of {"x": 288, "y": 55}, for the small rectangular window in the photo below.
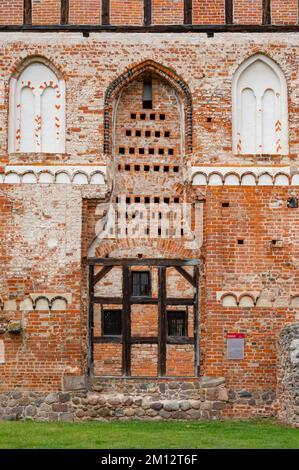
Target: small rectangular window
{"x": 141, "y": 283}
{"x": 147, "y": 93}
{"x": 111, "y": 322}
{"x": 177, "y": 323}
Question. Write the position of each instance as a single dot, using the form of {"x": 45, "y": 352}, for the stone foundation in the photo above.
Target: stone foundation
{"x": 139, "y": 399}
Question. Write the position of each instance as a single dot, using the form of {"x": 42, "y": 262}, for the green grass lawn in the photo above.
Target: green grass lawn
{"x": 255, "y": 434}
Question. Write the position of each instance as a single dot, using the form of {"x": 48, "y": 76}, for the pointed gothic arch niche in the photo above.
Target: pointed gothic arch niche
{"x": 148, "y": 72}
{"x": 37, "y": 108}
{"x": 260, "y": 108}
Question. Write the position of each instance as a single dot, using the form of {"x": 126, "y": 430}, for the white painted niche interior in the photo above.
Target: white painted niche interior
{"x": 260, "y": 108}
{"x": 37, "y": 111}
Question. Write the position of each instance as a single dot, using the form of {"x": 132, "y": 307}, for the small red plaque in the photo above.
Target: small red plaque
{"x": 235, "y": 335}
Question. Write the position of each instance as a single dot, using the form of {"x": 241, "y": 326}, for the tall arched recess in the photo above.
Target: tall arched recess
{"x": 144, "y": 71}
{"x": 36, "y": 108}
{"x": 260, "y": 108}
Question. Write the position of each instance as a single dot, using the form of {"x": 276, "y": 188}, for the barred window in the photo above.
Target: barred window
{"x": 111, "y": 323}
{"x": 141, "y": 283}
{"x": 177, "y": 323}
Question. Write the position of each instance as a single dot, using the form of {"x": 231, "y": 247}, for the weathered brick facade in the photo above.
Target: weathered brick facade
{"x": 148, "y": 119}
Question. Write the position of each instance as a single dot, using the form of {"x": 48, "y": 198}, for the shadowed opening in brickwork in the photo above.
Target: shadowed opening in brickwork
{"x": 144, "y": 317}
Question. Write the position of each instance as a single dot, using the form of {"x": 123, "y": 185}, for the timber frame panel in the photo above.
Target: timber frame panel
{"x": 127, "y": 300}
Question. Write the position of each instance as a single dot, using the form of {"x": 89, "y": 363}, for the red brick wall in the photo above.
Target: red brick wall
{"x": 45, "y": 11}
{"x": 52, "y": 343}
{"x": 144, "y": 360}
{"x": 284, "y": 12}
{"x": 253, "y": 266}
{"x": 167, "y": 11}
{"x": 248, "y": 11}
{"x": 85, "y": 12}
{"x": 208, "y": 11}
{"x": 11, "y": 11}
{"x": 89, "y": 67}
{"x": 126, "y": 12}
{"x": 180, "y": 360}
{"x": 107, "y": 359}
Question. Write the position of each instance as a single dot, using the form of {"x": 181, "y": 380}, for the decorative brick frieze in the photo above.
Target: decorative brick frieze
{"x": 244, "y": 176}
{"x": 14, "y": 174}
{"x": 257, "y": 299}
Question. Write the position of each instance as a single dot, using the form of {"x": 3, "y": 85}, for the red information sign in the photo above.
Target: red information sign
{"x": 235, "y": 335}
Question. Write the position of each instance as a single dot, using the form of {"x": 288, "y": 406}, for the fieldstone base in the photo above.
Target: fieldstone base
{"x": 139, "y": 399}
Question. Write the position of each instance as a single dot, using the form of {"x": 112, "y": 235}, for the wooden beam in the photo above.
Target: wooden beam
{"x": 105, "y": 12}
{"x": 179, "y": 340}
{"x": 178, "y": 301}
{"x": 229, "y": 12}
{"x": 126, "y": 323}
{"x": 107, "y": 339}
{"x": 107, "y": 300}
{"x": 168, "y": 262}
{"x": 162, "y": 321}
{"x": 187, "y": 11}
{"x": 147, "y": 12}
{"x": 64, "y": 11}
{"x": 196, "y": 324}
{"x": 267, "y": 12}
{"x": 27, "y": 12}
{"x": 90, "y": 321}
{"x": 158, "y": 29}
{"x": 97, "y": 277}
{"x": 185, "y": 274}
{"x": 143, "y": 300}
{"x": 144, "y": 340}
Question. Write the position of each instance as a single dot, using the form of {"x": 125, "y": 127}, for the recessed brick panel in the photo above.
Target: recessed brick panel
{"x": 248, "y": 12}
{"x": 208, "y": 11}
{"x": 167, "y": 11}
{"x": 180, "y": 360}
{"x": 46, "y": 11}
{"x": 11, "y": 11}
{"x": 284, "y": 12}
{"x": 128, "y": 12}
{"x": 144, "y": 360}
{"x": 107, "y": 359}
{"x": 85, "y": 11}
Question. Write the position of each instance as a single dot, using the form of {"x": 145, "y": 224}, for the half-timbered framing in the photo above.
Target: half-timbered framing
{"x": 127, "y": 300}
